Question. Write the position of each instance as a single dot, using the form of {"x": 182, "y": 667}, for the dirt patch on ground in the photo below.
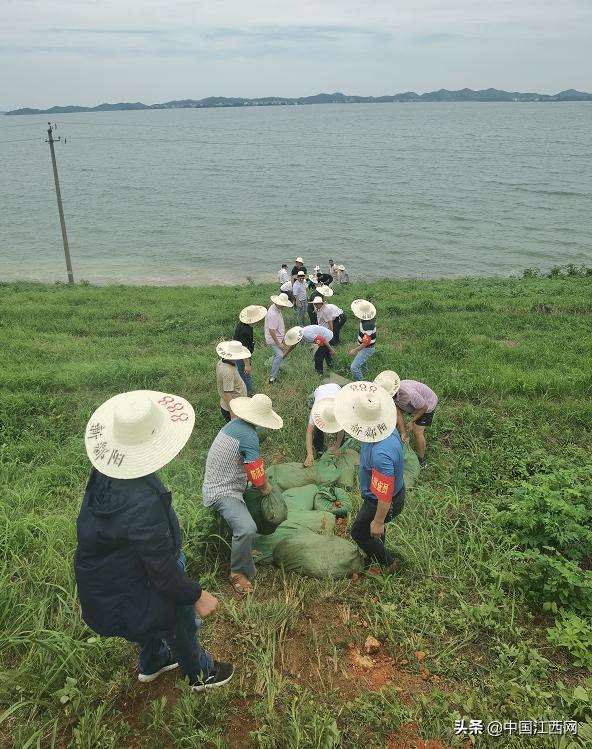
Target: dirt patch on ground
{"x": 407, "y": 737}
{"x": 508, "y": 343}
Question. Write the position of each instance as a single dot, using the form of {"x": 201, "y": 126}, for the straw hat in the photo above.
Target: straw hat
{"x": 299, "y": 260}
{"x": 363, "y": 310}
{"x": 233, "y": 350}
{"x": 294, "y": 335}
{"x": 341, "y": 267}
{"x": 365, "y": 411}
{"x": 301, "y": 273}
{"x": 318, "y": 300}
{"x": 252, "y": 314}
{"x": 137, "y": 433}
{"x": 325, "y": 290}
{"x": 257, "y": 410}
{"x": 317, "y": 267}
{"x": 281, "y": 300}
{"x": 323, "y": 415}
{"x": 388, "y": 380}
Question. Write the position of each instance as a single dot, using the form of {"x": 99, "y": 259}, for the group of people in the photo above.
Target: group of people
{"x": 129, "y": 564}
{"x": 338, "y": 273}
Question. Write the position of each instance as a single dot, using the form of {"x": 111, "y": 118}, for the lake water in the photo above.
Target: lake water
{"x": 216, "y": 195}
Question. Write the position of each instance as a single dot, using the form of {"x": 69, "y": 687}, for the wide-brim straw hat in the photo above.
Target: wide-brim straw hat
{"x": 388, "y": 380}
{"x": 257, "y": 410}
{"x": 137, "y": 433}
{"x": 363, "y": 309}
{"x": 253, "y": 313}
{"x": 281, "y": 300}
{"x": 299, "y": 260}
{"x": 318, "y": 300}
{"x": 323, "y": 415}
{"x": 233, "y": 350}
{"x": 341, "y": 267}
{"x": 294, "y": 335}
{"x": 365, "y": 411}
{"x": 317, "y": 267}
{"x": 325, "y": 291}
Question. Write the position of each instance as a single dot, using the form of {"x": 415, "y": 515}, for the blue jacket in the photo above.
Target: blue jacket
{"x": 126, "y": 563}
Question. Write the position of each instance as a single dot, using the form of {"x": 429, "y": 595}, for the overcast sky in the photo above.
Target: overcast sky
{"x": 91, "y": 51}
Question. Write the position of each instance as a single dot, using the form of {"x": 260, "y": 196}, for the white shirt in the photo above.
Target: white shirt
{"x": 286, "y": 286}
{"x": 328, "y": 313}
{"x": 274, "y": 321}
{"x": 330, "y": 390}
{"x": 310, "y": 332}
{"x": 283, "y": 276}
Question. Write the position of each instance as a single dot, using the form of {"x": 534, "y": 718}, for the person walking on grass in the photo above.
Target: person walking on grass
{"x": 322, "y": 421}
{"x": 366, "y": 344}
{"x": 233, "y": 460}
{"x": 283, "y": 275}
{"x": 129, "y": 566}
{"x": 414, "y": 399}
{"x": 330, "y": 316}
{"x": 299, "y": 291}
{"x": 243, "y": 332}
{"x": 367, "y": 413}
{"x": 274, "y": 332}
{"x": 228, "y": 380}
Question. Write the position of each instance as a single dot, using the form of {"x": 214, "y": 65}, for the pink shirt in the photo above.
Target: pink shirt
{"x": 274, "y": 321}
{"x": 413, "y": 396}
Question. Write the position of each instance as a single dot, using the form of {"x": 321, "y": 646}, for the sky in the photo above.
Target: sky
{"x": 91, "y": 51}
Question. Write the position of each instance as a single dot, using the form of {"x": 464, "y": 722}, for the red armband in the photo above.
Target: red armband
{"x": 319, "y": 340}
{"x": 366, "y": 339}
{"x": 383, "y": 487}
{"x": 256, "y": 473}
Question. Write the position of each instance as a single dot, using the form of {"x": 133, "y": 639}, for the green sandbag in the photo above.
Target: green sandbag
{"x": 412, "y": 467}
{"x": 318, "y": 556}
{"x": 297, "y": 522}
{"x": 346, "y": 472}
{"x": 267, "y": 511}
{"x": 291, "y": 475}
{"x": 301, "y": 497}
{"x": 332, "y": 499}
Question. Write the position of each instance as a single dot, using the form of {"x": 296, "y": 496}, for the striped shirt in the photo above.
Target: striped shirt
{"x": 367, "y": 327}
{"x": 235, "y": 444}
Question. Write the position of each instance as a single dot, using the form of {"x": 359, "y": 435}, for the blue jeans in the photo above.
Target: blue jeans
{"x": 183, "y": 641}
{"x": 278, "y": 355}
{"x": 246, "y": 378}
{"x": 300, "y": 314}
{"x": 360, "y": 361}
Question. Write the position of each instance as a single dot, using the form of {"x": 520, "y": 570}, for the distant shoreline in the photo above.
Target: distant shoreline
{"x": 409, "y": 97}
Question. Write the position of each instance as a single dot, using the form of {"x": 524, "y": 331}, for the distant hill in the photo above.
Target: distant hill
{"x": 443, "y": 95}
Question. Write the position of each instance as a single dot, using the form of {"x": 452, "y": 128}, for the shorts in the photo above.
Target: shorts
{"x": 426, "y": 419}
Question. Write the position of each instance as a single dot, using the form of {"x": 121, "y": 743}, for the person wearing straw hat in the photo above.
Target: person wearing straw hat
{"x": 322, "y": 421}
{"x": 367, "y": 413}
{"x": 325, "y": 279}
{"x": 129, "y": 566}
{"x": 228, "y": 380}
{"x": 243, "y": 332}
{"x": 324, "y": 291}
{"x": 299, "y": 292}
{"x": 330, "y": 316}
{"x": 298, "y": 265}
{"x": 414, "y": 398}
{"x": 275, "y": 330}
{"x": 343, "y": 275}
{"x": 318, "y": 335}
{"x": 233, "y": 460}
{"x": 366, "y": 345}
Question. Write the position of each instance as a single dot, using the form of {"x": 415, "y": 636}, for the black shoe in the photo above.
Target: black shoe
{"x": 170, "y": 664}
{"x": 221, "y": 675}
{"x": 271, "y": 380}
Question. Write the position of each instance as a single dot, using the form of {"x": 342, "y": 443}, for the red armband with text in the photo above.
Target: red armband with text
{"x": 366, "y": 339}
{"x": 383, "y": 487}
{"x": 319, "y": 340}
{"x": 256, "y": 473}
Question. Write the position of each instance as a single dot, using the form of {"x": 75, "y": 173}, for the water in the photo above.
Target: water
{"x": 216, "y": 195}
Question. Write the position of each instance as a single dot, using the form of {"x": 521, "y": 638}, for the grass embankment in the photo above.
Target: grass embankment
{"x": 512, "y": 363}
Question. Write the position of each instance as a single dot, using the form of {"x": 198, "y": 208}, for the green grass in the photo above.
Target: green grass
{"x": 512, "y": 363}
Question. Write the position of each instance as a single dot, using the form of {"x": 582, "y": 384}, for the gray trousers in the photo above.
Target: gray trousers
{"x": 243, "y": 528}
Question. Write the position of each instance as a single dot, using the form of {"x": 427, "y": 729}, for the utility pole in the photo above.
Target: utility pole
{"x": 51, "y": 141}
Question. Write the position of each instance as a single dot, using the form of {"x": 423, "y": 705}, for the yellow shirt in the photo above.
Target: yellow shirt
{"x": 228, "y": 380}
